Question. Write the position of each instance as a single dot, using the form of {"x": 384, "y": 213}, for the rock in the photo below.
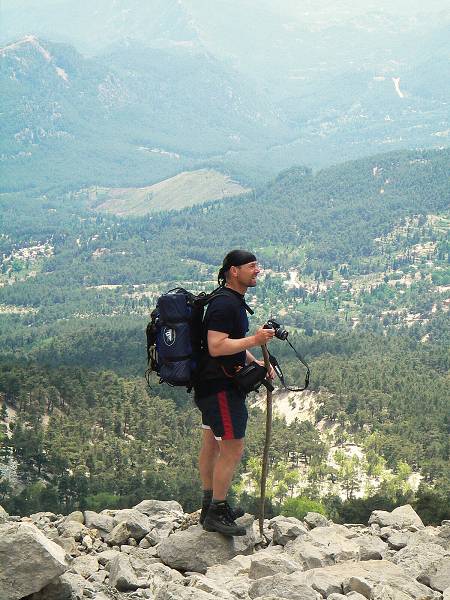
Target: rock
{"x": 437, "y": 576}
{"x": 195, "y": 549}
{"x": 174, "y": 591}
{"x": 160, "y": 531}
{"x": 371, "y": 547}
{"x": 69, "y": 586}
{"x": 129, "y": 524}
{"x": 122, "y": 575}
{"x": 324, "y": 582}
{"x": 314, "y": 519}
{"x": 201, "y": 582}
{"x": 3, "y": 515}
{"x": 119, "y": 535}
{"x": 43, "y": 517}
{"x": 371, "y": 570}
{"x": 358, "y": 585}
{"x": 40, "y": 560}
{"x": 138, "y": 523}
{"x": 72, "y": 529}
{"x": 156, "y": 575}
{"x": 84, "y": 565}
{"x": 418, "y": 560}
{"x": 402, "y": 517}
{"x": 104, "y": 523}
{"x": 402, "y": 588}
{"x": 337, "y": 597}
{"x": 157, "y": 509}
{"x": 105, "y": 557}
{"x": 446, "y": 594}
{"x": 398, "y": 540}
{"x": 285, "y": 586}
{"x": 285, "y": 529}
{"x": 68, "y": 544}
{"x": 76, "y": 515}
{"x": 323, "y": 546}
{"x": 267, "y": 565}
{"x": 356, "y": 596}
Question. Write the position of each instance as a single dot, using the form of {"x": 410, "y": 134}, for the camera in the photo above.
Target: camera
{"x": 280, "y": 333}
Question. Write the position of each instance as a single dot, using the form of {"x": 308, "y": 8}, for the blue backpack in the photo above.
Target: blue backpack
{"x": 174, "y": 336}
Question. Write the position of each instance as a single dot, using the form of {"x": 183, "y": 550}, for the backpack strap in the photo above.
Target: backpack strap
{"x": 223, "y": 291}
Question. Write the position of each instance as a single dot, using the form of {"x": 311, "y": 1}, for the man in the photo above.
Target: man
{"x": 224, "y": 413}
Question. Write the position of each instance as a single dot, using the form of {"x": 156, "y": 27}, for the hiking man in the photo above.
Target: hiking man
{"x": 224, "y": 413}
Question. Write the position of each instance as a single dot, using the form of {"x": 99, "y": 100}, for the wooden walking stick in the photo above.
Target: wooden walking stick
{"x": 265, "y": 458}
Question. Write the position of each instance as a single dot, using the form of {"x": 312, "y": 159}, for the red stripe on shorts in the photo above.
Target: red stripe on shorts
{"x": 228, "y": 433}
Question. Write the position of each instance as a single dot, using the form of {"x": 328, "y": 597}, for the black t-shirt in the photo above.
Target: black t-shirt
{"x": 225, "y": 313}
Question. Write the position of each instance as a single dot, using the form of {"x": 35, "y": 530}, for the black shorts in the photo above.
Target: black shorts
{"x": 225, "y": 413}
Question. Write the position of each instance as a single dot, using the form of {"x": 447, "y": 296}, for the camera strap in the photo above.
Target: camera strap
{"x": 276, "y": 366}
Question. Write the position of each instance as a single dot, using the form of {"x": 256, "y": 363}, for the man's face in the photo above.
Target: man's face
{"x": 247, "y": 274}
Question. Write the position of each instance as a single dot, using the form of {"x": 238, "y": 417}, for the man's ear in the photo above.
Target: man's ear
{"x": 233, "y": 271}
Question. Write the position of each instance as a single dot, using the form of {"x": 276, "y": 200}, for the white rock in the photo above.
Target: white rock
{"x": 25, "y": 550}
{"x": 3, "y": 515}
{"x": 174, "y": 591}
{"x": 84, "y": 565}
{"x": 419, "y": 560}
{"x": 72, "y": 529}
{"x": 267, "y": 565}
{"x": 402, "y": 517}
{"x": 314, "y": 519}
{"x": 286, "y": 529}
{"x": 103, "y": 523}
{"x": 122, "y": 575}
{"x": 195, "y": 549}
{"x": 285, "y": 586}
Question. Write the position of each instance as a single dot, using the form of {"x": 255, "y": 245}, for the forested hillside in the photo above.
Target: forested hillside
{"x": 356, "y": 266}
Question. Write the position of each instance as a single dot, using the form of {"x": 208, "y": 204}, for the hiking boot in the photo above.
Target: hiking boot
{"x": 235, "y": 512}
{"x": 218, "y": 518}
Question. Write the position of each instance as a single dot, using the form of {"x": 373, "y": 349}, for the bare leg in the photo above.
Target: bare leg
{"x": 207, "y": 459}
{"x": 229, "y": 457}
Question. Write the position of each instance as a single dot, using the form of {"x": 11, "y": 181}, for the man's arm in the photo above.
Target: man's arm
{"x": 220, "y": 344}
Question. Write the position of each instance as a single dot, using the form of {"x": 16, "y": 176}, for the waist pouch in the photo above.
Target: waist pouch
{"x": 250, "y": 378}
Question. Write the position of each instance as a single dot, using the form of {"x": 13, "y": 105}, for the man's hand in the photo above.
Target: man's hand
{"x": 271, "y": 374}
{"x": 262, "y": 336}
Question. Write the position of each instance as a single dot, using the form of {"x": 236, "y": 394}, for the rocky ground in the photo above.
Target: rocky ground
{"x": 158, "y": 552}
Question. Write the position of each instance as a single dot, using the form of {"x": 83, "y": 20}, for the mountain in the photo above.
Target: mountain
{"x": 137, "y": 115}
{"x": 355, "y": 267}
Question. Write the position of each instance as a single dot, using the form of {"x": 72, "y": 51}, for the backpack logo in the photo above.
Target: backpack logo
{"x": 168, "y": 336}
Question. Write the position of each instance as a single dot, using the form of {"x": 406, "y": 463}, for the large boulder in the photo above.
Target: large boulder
{"x": 69, "y": 586}
{"x": 371, "y": 547}
{"x": 158, "y": 509}
{"x": 418, "y": 560}
{"x": 323, "y": 546}
{"x": 285, "y": 586}
{"x": 122, "y": 575}
{"x": 402, "y": 517}
{"x": 28, "y": 560}
{"x": 314, "y": 519}
{"x": 93, "y": 520}
{"x": 266, "y": 565}
{"x": 286, "y": 529}
{"x": 175, "y": 591}
{"x": 73, "y": 529}
{"x": 3, "y": 515}
{"x": 437, "y": 576}
{"x": 195, "y": 549}
{"x": 138, "y": 523}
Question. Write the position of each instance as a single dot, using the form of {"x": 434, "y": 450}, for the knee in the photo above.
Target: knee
{"x": 234, "y": 450}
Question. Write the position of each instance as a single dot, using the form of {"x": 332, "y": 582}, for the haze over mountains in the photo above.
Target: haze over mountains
{"x": 145, "y": 90}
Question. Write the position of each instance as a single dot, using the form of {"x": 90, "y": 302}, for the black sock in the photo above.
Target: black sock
{"x": 217, "y": 502}
{"x": 207, "y": 497}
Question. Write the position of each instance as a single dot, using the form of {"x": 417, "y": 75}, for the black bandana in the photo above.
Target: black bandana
{"x": 235, "y": 258}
